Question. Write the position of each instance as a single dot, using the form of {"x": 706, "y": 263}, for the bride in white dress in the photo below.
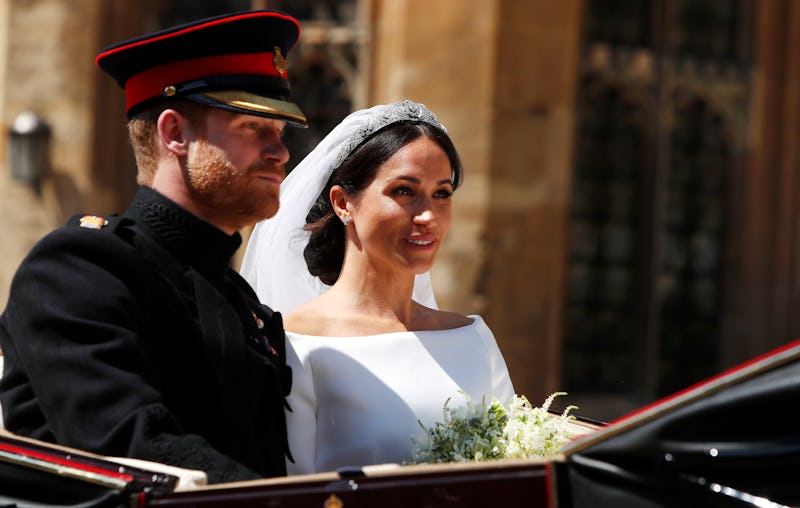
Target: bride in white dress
{"x": 346, "y": 260}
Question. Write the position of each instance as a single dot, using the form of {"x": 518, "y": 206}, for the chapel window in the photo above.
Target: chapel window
{"x": 662, "y": 102}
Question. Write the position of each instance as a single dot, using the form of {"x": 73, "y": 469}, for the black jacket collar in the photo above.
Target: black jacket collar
{"x": 190, "y": 239}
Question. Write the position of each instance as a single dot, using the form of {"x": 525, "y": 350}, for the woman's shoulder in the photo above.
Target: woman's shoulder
{"x": 323, "y": 318}
{"x": 445, "y": 320}
{"x": 306, "y": 320}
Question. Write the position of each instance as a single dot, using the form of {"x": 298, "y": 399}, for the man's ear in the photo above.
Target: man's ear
{"x": 340, "y": 201}
{"x": 172, "y": 127}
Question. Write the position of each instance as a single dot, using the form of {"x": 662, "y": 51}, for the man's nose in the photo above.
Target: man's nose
{"x": 276, "y": 150}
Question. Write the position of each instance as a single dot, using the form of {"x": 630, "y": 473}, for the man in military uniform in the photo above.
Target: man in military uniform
{"x": 130, "y": 335}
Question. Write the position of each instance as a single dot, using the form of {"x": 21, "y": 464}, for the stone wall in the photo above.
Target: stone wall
{"x": 47, "y": 55}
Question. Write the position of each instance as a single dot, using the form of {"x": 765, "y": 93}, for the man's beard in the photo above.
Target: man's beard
{"x": 224, "y": 191}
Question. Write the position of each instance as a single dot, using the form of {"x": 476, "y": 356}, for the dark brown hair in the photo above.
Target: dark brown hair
{"x": 324, "y": 253}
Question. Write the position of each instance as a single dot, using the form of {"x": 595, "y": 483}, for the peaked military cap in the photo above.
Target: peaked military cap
{"x": 234, "y": 61}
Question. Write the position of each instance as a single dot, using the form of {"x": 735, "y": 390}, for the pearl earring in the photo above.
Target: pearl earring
{"x": 346, "y": 220}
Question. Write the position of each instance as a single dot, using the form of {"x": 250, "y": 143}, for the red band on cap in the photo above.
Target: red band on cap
{"x": 151, "y": 82}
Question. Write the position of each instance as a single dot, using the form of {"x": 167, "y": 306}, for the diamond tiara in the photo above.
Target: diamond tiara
{"x": 402, "y": 111}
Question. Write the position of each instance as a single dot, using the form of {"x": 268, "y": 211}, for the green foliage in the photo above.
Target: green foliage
{"x": 477, "y": 431}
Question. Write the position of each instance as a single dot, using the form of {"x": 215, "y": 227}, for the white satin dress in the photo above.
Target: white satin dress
{"x": 356, "y": 401}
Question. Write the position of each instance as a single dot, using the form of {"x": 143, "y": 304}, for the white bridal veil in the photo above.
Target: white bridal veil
{"x": 273, "y": 262}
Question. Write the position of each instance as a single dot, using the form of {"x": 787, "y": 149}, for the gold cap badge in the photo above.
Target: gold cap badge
{"x": 279, "y": 62}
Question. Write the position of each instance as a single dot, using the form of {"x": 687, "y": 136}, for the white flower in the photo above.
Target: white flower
{"x": 533, "y": 431}
{"x": 476, "y": 431}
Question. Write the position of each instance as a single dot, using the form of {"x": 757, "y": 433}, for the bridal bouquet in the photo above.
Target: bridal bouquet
{"x": 479, "y": 432}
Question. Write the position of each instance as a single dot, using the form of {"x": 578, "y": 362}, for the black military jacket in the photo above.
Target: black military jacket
{"x": 137, "y": 339}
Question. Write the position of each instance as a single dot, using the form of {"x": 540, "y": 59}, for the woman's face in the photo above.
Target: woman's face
{"x": 400, "y": 220}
